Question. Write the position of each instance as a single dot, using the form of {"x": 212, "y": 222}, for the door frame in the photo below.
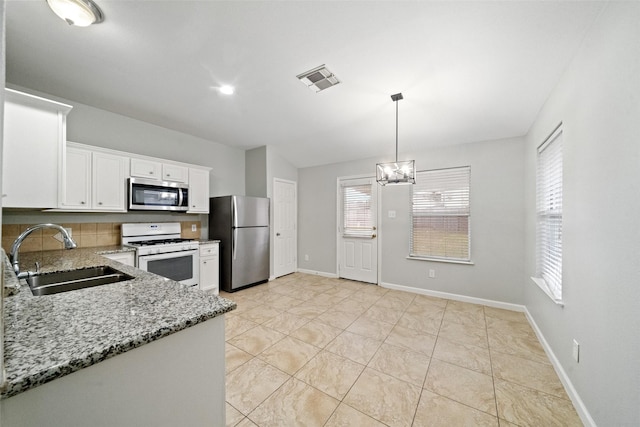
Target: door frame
{"x": 378, "y": 219}
{"x": 295, "y": 225}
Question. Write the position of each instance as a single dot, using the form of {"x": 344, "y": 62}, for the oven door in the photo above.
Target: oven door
{"x": 182, "y": 266}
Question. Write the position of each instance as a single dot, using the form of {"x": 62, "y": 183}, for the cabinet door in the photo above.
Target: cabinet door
{"x": 209, "y": 274}
{"x": 109, "y": 182}
{"x": 77, "y": 180}
{"x": 198, "y": 190}
{"x": 34, "y": 134}
{"x": 175, "y": 173}
{"x": 142, "y": 168}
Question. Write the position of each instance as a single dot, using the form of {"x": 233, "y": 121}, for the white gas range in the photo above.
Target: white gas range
{"x": 161, "y": 250}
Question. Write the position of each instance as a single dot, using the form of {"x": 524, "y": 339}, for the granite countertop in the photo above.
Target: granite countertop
{"x": 47, "y": 337}
{"x": 207, "y": 241}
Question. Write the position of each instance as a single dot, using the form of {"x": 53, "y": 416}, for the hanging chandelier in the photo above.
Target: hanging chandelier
{"x": 403, "y": 172}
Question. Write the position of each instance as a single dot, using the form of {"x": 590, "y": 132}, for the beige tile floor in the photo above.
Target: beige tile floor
{"x": 305, "y": 350}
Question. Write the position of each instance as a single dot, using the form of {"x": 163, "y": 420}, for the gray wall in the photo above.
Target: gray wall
{"x": 256, "y": 172}
{"x": 93, "y": 126}
{"x": 598, "y": 101}
{"x": 497, "y": 233}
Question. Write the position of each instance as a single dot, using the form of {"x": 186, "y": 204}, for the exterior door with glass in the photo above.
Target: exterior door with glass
{"x": 357, "y": 230}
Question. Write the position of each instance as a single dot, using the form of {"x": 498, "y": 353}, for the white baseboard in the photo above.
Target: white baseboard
{"x": 318, "y": 273}
{"x": 581, "y": 409}
{"x": 456, "y": 297}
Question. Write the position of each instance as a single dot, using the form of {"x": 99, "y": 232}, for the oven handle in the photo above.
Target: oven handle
{"x": 153, "y": 257}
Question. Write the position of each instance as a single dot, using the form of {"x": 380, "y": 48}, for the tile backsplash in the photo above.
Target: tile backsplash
{"x": 86, "y": 235}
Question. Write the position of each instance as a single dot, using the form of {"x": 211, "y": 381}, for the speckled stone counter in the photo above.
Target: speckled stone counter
{"x": 47, "y": 337}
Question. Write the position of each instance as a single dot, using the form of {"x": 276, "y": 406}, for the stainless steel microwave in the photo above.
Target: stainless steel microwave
{"x": 149, "y": 195}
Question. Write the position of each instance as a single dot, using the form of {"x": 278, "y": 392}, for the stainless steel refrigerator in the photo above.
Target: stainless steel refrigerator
{"x": 241, "y": 223}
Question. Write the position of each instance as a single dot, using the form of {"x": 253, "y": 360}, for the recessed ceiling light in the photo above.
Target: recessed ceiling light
{"x": 80, "y": 13}
{"x": 227, "y": 90}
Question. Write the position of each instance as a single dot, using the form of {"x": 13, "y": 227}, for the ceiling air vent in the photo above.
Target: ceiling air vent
{"x": 320, "y": 78}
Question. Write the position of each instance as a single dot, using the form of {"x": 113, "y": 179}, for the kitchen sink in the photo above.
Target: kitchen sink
{"x": 64, "y": 281}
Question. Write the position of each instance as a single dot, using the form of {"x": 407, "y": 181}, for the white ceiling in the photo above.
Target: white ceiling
{"x": 469, "y": 71}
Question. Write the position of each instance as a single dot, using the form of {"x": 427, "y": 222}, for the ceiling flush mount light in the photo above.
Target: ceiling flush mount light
{"x": 80, "y": 13}
{"x": 318, "y": 79}
{"x": 227, "y": 90}
{"x": 396, "y": 172}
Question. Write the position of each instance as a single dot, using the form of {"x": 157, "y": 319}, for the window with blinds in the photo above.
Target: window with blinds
{"x": 357, "y": 218}
{"x": 440, "y": 215}
{"x": 549, "y": 216}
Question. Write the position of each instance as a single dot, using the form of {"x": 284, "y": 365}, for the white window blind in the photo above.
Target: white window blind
{"x": 357, "y": 218}
{"x": 549, "y": 216}
{"x": 440, "y": 215}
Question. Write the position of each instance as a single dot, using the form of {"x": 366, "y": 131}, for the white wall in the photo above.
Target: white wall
{"x": 497, "y": 211}
{"x": 598, "y": 101}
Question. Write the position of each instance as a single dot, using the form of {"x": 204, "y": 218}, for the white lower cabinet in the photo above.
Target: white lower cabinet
{"x": 126, "y": 258}
{"x": 210, "y": 267}
{"x": 94, "y": 181}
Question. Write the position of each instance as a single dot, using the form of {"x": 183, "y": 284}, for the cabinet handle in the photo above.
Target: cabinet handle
{"x": 150, "y": 172}
{"x": 100, "y": 203}
{"x": 82, "y": 203}
{"x": 204, "y": 262}
{"x": 168, "y": 174}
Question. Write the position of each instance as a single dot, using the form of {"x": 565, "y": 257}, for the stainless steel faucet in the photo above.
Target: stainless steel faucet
{"x": 69, "y": 243}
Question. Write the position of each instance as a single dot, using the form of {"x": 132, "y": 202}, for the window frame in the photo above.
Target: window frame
{"x": 368, "y": 229}
{"x": 549, "y": 215}
{"x": 421, "y": 178}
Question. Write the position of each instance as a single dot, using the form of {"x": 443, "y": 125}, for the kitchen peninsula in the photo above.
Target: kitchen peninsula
{"x": 147, "y": 351}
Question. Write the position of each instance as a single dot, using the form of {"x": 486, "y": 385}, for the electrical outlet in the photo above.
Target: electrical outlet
{"x": 194, "y": 227}
{"x": 306, "y": 257}
{"x": 432, "y": 273}
{"x": 576, "y": 351}
{"x": 392, "y": 214}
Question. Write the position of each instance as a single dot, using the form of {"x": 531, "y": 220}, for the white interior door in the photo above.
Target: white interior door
{"x": 357, "y": 232}
{"x": 284, "y": 222}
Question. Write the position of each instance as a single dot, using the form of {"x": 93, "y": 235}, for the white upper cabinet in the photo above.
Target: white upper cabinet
{"x": 144, "y": 168}
{"x": 150, "y": 169}
{"x": 108, "y": 185}
{"x": 175, "y": 173}
{"x": 76, "y": 189}
{"x": 34, "y": 136}
{"x": 198, "y": 190}
{"x": 94, "y": 180}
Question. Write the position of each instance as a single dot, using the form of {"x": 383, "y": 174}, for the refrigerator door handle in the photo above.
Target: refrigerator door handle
{"x": 233, "y": 242}
{"x": 234, "y": 215}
